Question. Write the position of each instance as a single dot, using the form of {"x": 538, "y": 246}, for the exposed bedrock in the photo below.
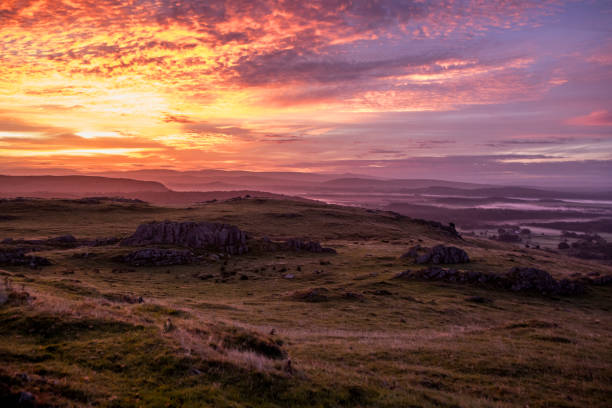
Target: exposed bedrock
{"x": 439, "y": 254}
{"x": 204, "y": 235}
{"x": 516, "y": 279}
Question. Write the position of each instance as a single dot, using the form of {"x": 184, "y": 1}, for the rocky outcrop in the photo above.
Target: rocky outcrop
{"x": 18, "y": 257}
{"x": 203, "y": 235}
{"x": 308, "y": 246}
{"x": 158, "y": 257}
{"x": 449, "y": 229}
{"x": 516, "y": 279}
{"x": 294, "y": 244}
{"x": 439, "y": 254}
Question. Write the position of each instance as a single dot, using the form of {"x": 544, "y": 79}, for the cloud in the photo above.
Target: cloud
{"x": 261, "y": 84}
{"x": 597, "y": 118}
{"x": 541, "y": 170}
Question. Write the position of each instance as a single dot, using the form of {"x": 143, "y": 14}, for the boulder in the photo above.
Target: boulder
{"x": 441, "y": 254}
{"x": 204, "y": 235}
{"x": 516, "y": 279}
{"x": 314, "y": 295}
{"x": 18, "y": 257}
{"x": 537, "y": 280}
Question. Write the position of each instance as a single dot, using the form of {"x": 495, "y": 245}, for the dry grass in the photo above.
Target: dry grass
{"x": 422, "y": 345}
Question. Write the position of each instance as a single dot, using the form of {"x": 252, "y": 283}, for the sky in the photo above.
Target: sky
{"x": 509, "y": 91}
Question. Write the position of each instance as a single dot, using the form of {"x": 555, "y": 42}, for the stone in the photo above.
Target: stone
{"x": 296, "y": 244}
{"x": 18, "y": 257}
{"x": 563, "y": 245}
{"x": 312, "y": 295}
{"x": 203, "y": 235}
{"x": 441, "y": 254}
{"x": 516, "y": 279}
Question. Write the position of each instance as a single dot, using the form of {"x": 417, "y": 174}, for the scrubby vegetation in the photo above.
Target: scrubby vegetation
{"x": 282, "y": 328}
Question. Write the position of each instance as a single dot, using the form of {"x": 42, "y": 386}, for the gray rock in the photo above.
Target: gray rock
{"x": 516, "y": 279}
{"x": 18, "y": 257}
{"x": 441, "y": 254}
{"x": 223, "y": 237}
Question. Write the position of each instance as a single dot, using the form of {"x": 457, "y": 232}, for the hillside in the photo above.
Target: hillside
{"x": 283, "y": 328}
{"x": 15, "y": 185}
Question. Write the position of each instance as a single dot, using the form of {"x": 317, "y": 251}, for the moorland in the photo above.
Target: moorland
{"x": 317, "y": 310}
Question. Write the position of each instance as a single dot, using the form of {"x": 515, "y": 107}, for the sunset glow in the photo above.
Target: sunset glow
{"x": 369, "y": 87}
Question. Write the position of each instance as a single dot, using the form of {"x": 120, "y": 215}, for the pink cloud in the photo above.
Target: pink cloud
{"x": 597, "y": 118}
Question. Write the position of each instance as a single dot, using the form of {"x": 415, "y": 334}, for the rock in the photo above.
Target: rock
{"x": 563, "y": 245}
{"x": 509, "y": 237}
{"x": 312, "y": 295}
{"x": 102, "y": 242}
{"x": 204, "y": 235}
{"x": 441, "y": 254}
{"x": 296, "y": 244}
{"x": 157, "y": 257}
{"x": 445, "y": 229}
{"x": 289, "y": 276}
{"x": 18, "y": 257}
{"x": 601, "y": 280}
{"x": 516, "y": 279}
{"x": 532, "y": 279}
{"x": 404, "y": 275}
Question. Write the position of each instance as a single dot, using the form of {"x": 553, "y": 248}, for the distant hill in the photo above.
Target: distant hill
{"x": 206, "y": 180}
{"x": 12, "y": 185}
{"x": 360, "y": 184}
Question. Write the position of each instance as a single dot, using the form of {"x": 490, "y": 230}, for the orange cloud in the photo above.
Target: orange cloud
{"x": 190, "y": 82}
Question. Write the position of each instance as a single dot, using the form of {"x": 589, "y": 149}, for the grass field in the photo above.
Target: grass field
{"x": 246, "y": 338}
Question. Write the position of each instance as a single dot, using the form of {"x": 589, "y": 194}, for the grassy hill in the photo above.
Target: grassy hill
{"x": 283, "y": 329}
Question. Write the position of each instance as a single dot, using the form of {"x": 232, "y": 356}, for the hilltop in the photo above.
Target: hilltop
{"x": 280, "y": 326}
